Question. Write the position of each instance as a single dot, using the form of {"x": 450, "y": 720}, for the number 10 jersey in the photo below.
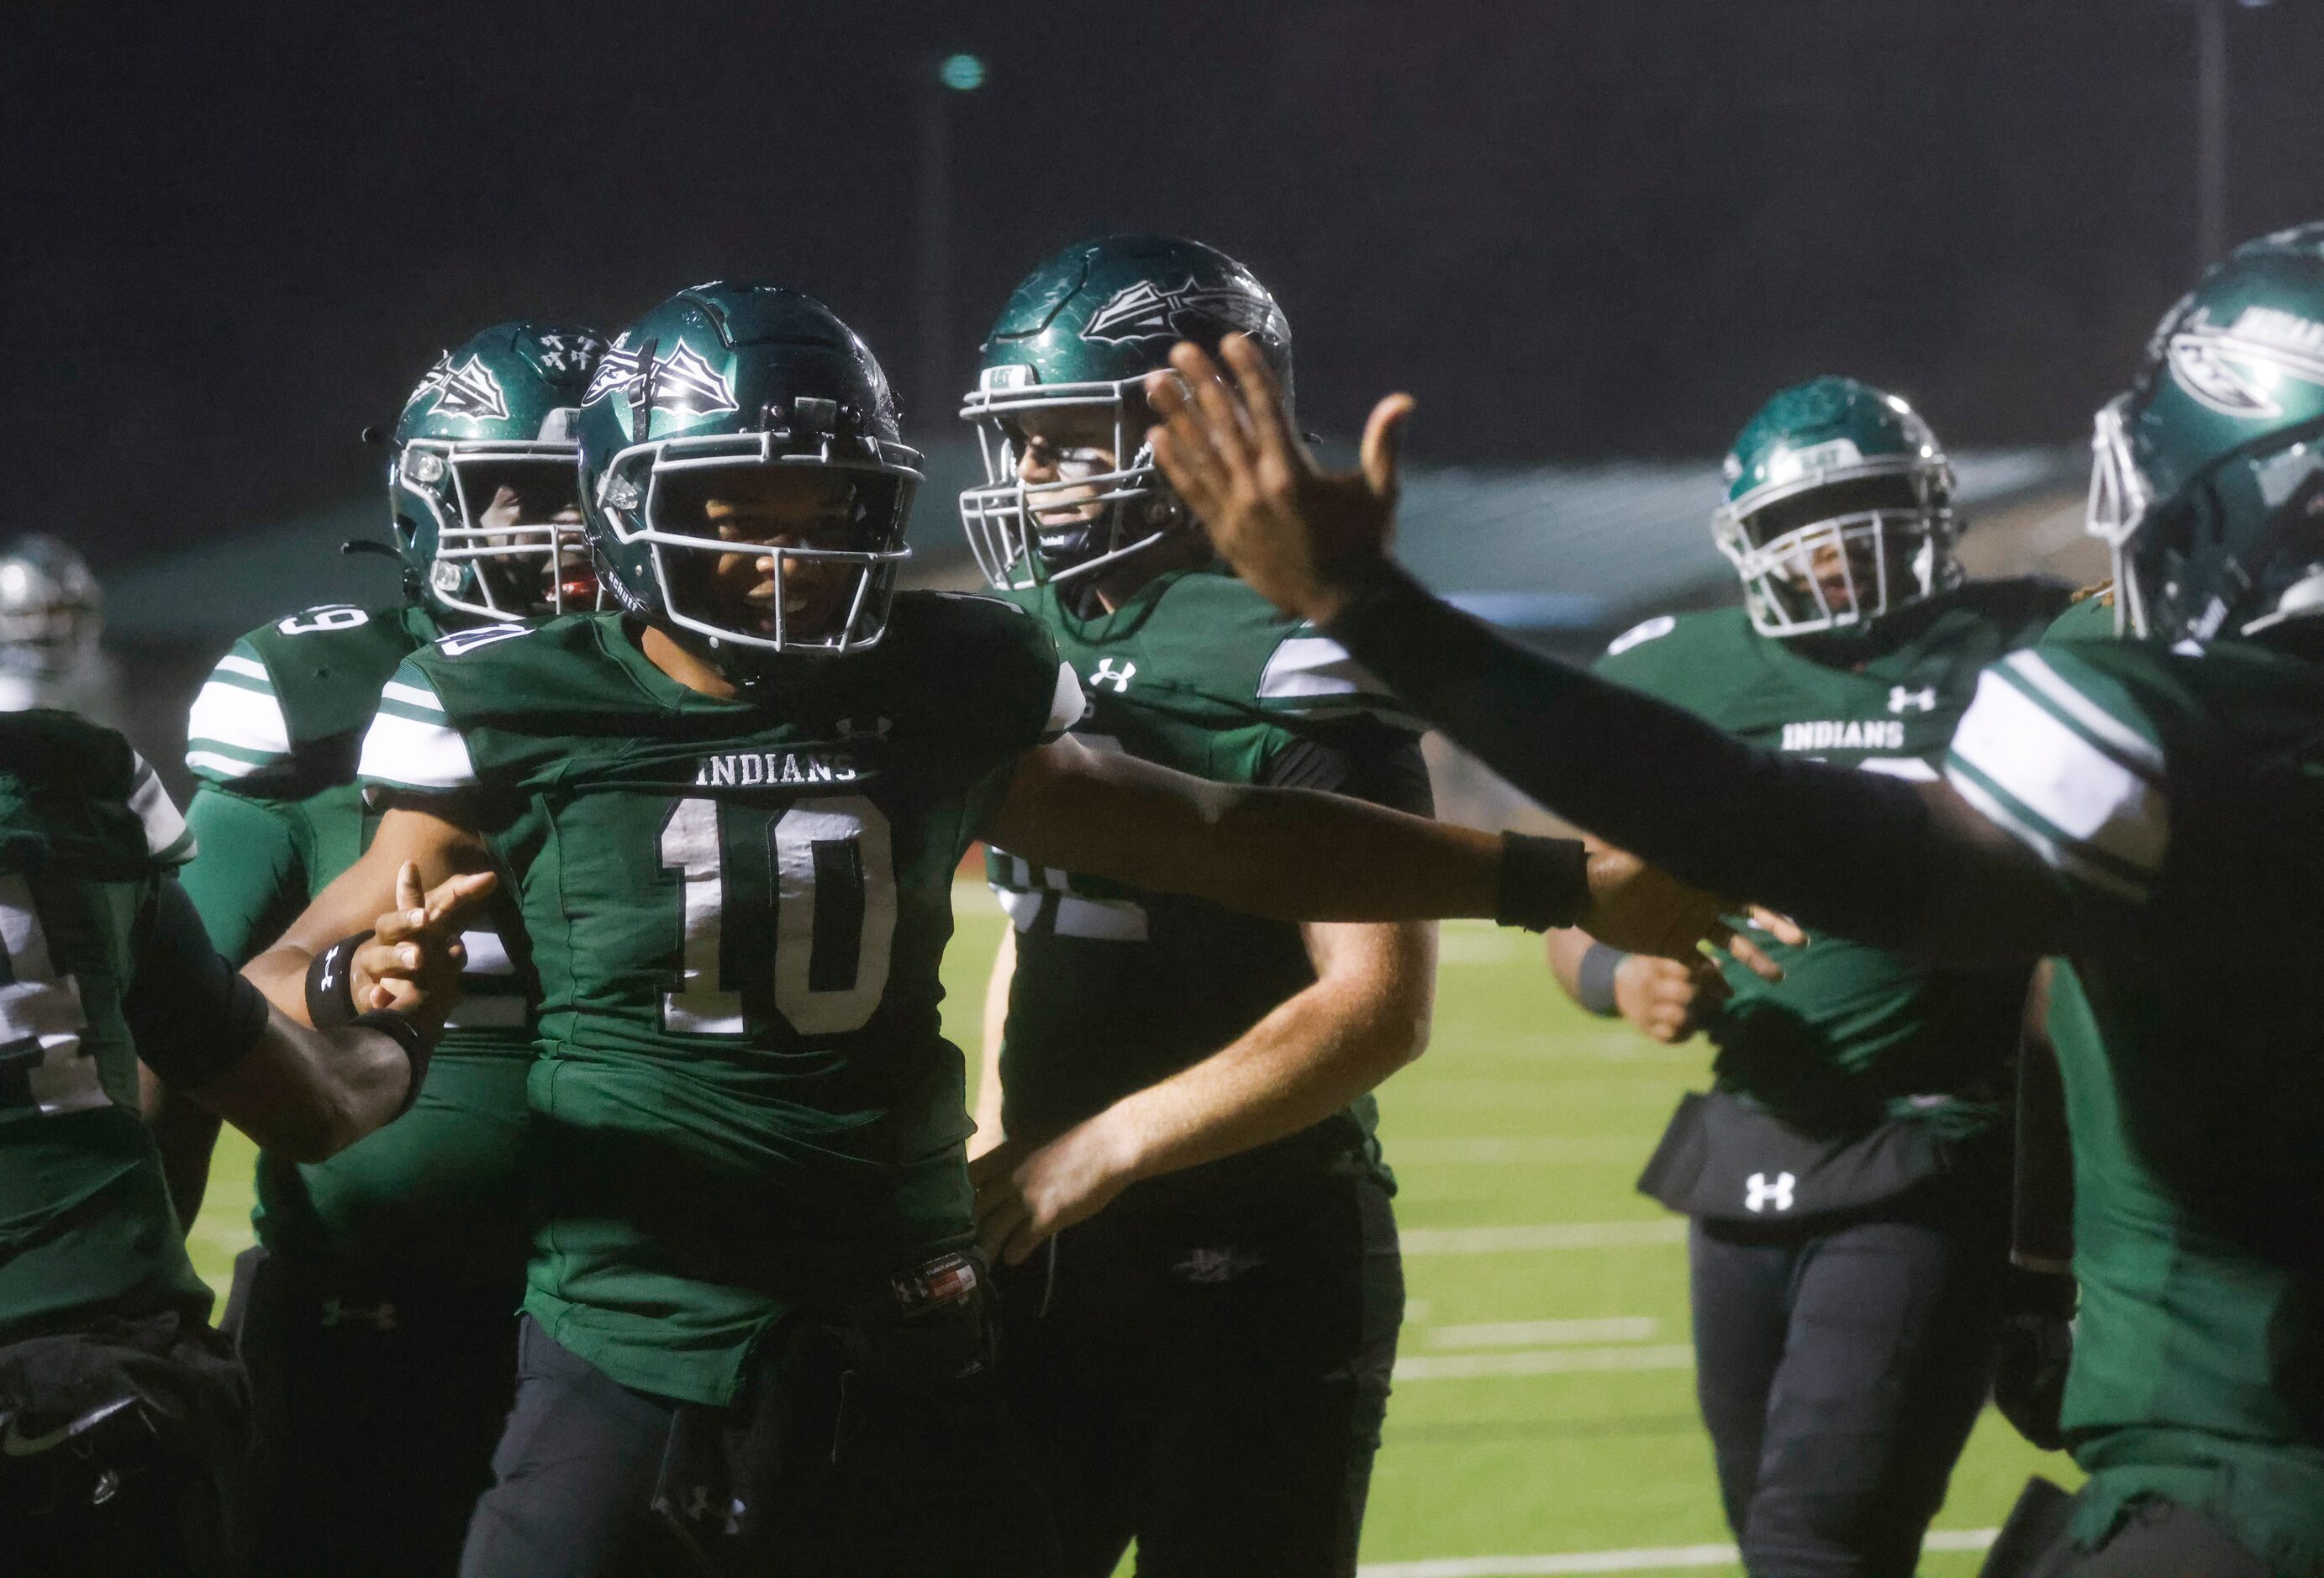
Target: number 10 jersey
{"x": 736, "y": 911}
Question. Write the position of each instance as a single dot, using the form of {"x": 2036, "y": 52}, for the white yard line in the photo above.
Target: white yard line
{"x": 1541, "y": 1334}
{"x": 1544, "y": 1362}
{"x": 1645, "y": 1559}
{"x": 1561, "y": 1148}
{"x": 1546, "y": 1235}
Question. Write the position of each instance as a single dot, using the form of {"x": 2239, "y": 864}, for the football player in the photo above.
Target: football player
{"x": 1204, "y": 1364}
{"x": 52, "y": 612}
{"x": 730, "y": 814}
{"x": 2148, "y": 810}
{"x": 1847, "y": 1174}
{"x": 376, "y": 1312}
{"x": 123, "y": 1419}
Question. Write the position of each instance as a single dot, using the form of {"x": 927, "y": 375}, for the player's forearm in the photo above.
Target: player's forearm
{"x": 1318, "y": 1050}
{"x": 1850, "y": 852}
{"x": 305, "y": 1094}
{"x": 1566, "y": 948}
{"x": 996, "y": 1020}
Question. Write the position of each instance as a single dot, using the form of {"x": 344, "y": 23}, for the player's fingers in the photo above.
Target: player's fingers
{"x": 1783, "y": 928}
{"x": 411, "y": 893}
{"x": 1023, "y": 1240}
{"x": 458, "y": 897}
{"x": 1181, "y": 441}
{"x": 1218, "y": 407}
{"x": 1191, "y": 474}
{"x": 1383, "y": 441}
{"x": 1745, "y": 951}
{"x": 1271, "y": 431}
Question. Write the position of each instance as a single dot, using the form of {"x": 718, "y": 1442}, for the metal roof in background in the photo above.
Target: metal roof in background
{"x": 1575, "y": 550}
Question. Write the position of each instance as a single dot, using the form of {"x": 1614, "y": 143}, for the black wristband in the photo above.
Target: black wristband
{"x": 331, "y": 983}
{"x": 409, "y": 1037}
{"x": 1544, "y": 883}
{"x": 1593, "y": 979}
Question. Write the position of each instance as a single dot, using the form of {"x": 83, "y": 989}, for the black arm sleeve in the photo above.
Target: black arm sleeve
{"x": 1362, "y": 759}
{"x": 1853, "y": 853}
{"x": 192, "y": 1017}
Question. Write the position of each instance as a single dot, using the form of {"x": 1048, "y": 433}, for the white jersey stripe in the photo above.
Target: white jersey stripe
{"x": 242, "y": 719}
{"x": 166, "y": 838}
{"x": 1068, "y": 705}
{"x": 2058, "y": 774}
{"x": 2059, "y": 857}
{"x": 407, "y": 753}
{"x": 209, "y": 763}
{"x": 248, "y": 667}
{"x": 2134, "y": 747}
{"x": 410, "y": 696}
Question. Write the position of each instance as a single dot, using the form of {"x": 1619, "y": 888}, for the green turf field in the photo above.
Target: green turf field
{"x": 1544, "y": 1396}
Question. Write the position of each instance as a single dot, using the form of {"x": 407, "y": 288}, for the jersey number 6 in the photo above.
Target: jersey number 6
{"x": 833, "y": 903}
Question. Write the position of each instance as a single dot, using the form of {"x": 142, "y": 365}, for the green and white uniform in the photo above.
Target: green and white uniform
{"x": 2175, "y": 792}
{"x": 1116, "y": 988}
{"x": 87, "y": 838}
{"x": 274, "y": 737}
{"x": 735, "y": 910}
{"x": 1853, "y": 1035}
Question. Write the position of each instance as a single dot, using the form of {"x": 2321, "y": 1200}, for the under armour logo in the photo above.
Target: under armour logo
{"x": 1217, "y": 1265}
{"x": 1759, "y": 1195}
{"x": 1106, "y": 675}
{"x": 1901, "y": 699}
{"x": 382, "y": 1319}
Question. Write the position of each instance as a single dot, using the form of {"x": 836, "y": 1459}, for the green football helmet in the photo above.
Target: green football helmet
{"x": 1838, "y": 509}
{"x": 722, "y": 377}
{"x": 1079, "y": 335}
{"x": 495, "y": 413}
{"x": 2206, "y": 481}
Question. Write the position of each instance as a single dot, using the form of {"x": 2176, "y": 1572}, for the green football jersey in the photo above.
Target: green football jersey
{"x": 735, "y": 910}
{"x": 2181, "y": 794}
{"x": 273, "y": 739}
{"x": 87, "y": 834}
{"x": 1116, "y": 987}
{"x": 2090, "y": 620}
{"x": 1852, "y": 1034}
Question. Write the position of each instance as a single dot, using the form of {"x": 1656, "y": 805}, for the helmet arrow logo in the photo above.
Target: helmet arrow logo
{"x": 469, "y": 389}
{"x": 1145, "y": 311}
{"x": 682, "y": 383}
{"x": 2234, "y": 370}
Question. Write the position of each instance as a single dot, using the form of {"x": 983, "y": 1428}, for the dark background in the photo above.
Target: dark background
{"x": 233, "y": 235}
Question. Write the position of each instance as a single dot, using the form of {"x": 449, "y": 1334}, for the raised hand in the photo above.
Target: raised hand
{"x": 412, "y": 962}
{"x": 1295, "y": 532}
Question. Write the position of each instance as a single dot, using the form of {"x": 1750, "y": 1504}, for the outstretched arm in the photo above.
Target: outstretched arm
{"x": 1909, "y": 867}
{"x": 1295, "y": 855}
{"x": 1365, "y": 1017}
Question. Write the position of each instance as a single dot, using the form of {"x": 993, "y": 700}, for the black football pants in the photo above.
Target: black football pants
{"x": 1210, "y": 1378}
{"x": 1840, "y": 1371}
{"x": 379, "y": 1401}
{"x": 863, "y": 1462}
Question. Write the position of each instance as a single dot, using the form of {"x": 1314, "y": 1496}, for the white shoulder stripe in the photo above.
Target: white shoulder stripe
{"x": 2058, "y": 857}
{"x": 2085, "y": 795}
{"x": 1068, "y": 705}
{"x": 209, "y": 763}
{"x": 411, "y": 695}
{"x": 166, "y": 837}
{"x": 409, "y": 754}
{"x": 2133, "y": 746}
{"x": 1315, "y": 665}
{"x": 248, "y": 667}
{"x": 245, "y": 719}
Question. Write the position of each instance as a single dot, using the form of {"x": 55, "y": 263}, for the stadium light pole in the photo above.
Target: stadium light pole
{"x": 954, "y": 74}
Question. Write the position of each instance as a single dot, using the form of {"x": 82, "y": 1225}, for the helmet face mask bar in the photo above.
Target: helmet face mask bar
{"x": 1888, "y": 555}
{"x": 514, "y": 571}
{"x": 1114, "y": 512}
{"x": 2119, "y": 503}
{"x": 634, "y": 496}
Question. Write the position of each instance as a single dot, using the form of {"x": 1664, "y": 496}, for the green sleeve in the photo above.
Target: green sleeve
{"x": 249, "y": 875}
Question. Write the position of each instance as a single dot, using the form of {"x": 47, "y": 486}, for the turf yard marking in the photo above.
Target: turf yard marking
{"x": 1579, "y": 1149}
{"x": 1544, "y": 1362}
{"x": 1648, "y": 1559}
{"x": 1546, "y": 1235}
{"x": 1543, "y": 1334}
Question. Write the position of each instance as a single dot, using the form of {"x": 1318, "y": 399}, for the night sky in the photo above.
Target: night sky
{"x": 233, "y": 235}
